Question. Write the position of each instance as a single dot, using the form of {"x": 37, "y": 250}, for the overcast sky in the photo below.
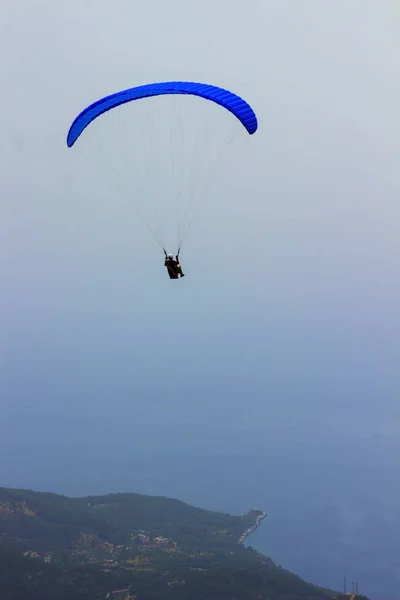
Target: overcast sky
{"x": 287, "y": 322}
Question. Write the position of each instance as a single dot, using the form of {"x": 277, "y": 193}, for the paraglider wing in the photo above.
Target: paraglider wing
{"x": 163, "y": 155}
{"x": 236, "y": 105}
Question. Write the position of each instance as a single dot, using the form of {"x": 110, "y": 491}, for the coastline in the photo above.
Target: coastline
{"x": 259, "y": 518}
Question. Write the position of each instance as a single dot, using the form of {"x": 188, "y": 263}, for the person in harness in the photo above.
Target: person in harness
{"x": 173, "y": 266}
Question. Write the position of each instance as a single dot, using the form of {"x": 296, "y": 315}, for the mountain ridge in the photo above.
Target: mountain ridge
{"x": 146, "y": 547}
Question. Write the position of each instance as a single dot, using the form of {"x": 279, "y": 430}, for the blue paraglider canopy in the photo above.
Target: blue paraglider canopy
{"x": 236, "y": 105}
{"x": 162, "y": 155}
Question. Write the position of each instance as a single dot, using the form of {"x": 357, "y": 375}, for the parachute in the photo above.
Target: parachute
{"x": 164, "y": 151}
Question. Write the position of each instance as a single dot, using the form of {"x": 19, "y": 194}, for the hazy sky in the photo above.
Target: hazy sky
{"x": 287, "y": 324}
{"x": 282, "y": 342}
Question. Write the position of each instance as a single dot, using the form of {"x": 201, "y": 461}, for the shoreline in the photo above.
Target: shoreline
{"x": 259, "y": 518}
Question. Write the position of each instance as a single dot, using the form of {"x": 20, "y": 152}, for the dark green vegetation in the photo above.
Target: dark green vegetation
{"x": 349, "y": 597}
{"x": 148, "y": 548}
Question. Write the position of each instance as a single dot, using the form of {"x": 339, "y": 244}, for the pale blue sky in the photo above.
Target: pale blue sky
{"x": 287, "y": 325}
